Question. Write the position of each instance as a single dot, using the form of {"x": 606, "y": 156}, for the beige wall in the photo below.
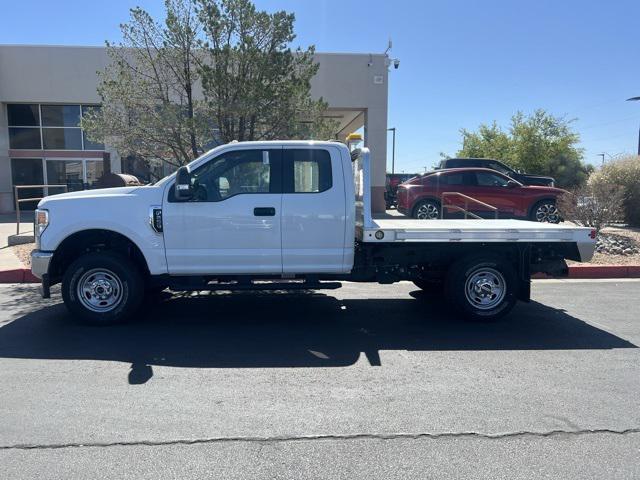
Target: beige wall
{"x": 52, "y": 74}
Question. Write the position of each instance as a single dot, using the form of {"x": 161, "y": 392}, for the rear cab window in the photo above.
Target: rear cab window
{"x": 307, "y": 170}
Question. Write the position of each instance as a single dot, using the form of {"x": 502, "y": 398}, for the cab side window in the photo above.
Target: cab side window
{"x": 235, "y": 173}
{"x": 307, "y": 171}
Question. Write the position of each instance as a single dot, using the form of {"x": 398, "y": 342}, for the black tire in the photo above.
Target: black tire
{"x": 491, "y": 272}
{"x": 104, "y": 272}
{"x": 430, "y": 209}
{"x": 545, "y": 211}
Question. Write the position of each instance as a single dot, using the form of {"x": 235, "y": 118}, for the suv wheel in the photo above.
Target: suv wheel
{"x": 482, "y": 287}
{"x": 427, "y": 210}
{"x": 546, "y": 211}
{"x": 102, "y": 288}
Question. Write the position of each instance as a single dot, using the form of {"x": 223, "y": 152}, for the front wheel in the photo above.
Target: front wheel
{"x": 482, "y": 287}
{"x": 545, "y": 211}
{"x": 102, "y": 288}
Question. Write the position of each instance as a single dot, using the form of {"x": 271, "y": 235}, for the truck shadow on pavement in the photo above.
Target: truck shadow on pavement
{"x": 262, "y": 330}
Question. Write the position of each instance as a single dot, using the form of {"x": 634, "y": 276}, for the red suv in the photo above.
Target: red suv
{"x": 421, "y": 197}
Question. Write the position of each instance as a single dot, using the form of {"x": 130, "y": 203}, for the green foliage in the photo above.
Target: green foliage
{"x": 626, "y": 173}
{"x": 539, "y": 144}
{"x": 253, "y": 86}
{"x": 256, "y": 86}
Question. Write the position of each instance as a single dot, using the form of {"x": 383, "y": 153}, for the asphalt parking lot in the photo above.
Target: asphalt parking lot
{"x": 369, "y": 381}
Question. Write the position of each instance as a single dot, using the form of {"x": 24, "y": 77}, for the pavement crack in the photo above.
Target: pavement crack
{"x": 321, "y": 437}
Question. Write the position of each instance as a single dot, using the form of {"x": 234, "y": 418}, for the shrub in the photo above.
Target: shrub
{"x": 595, "y": 205}
{"x": 626, "y": 173}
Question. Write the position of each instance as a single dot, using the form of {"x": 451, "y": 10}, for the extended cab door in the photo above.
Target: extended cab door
{"x": 232, "y": 223}
{"x": 313, "y": 211}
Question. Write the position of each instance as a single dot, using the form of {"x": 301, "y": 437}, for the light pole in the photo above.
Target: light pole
{"x": 635, "y": 99}
{"x": 393, "y": 150}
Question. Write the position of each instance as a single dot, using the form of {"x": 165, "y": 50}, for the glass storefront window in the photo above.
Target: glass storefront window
{"x": 62, "y": 138}
{"x": 27, "y": 171}
{"x": 69, "y": 172}
{"x": 24, "y": 138}
{"x": 60, "y": 115}
{"x": 23, "y": 115}
{"x": 95, "y": 170}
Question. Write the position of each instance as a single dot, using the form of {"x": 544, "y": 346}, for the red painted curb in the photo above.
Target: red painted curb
{"x": 599, "y": 271}
{"x": 18, "y": 275}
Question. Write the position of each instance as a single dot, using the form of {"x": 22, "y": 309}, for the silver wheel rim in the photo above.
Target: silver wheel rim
{"x": 427, "y": 211}
{"x": 547, "y": 212}
{"x": 485, "y": 288}
{"x": 99, "y": 290}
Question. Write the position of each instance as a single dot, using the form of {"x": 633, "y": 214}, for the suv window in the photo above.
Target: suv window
{"x": 486, "y": 179}
{"x": 307, "y": 171}
{"x": 235, "y": 173}
{"x": 500, "y": 167}
{"x": 458, "y": 178}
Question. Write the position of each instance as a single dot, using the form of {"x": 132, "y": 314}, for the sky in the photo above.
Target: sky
{"x": 462, "y": 63}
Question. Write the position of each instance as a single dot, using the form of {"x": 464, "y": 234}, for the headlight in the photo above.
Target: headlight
{"x": 41, "y": 222}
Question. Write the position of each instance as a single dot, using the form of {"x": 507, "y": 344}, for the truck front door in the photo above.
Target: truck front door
{"x": 232, "y": 224}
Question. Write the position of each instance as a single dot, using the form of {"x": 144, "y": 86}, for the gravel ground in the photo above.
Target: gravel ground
{"x": 23, "y": 252}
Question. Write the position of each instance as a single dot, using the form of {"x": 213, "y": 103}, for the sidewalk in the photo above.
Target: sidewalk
{"x": 12, "y": 270}
{"x": 8, "y": 226}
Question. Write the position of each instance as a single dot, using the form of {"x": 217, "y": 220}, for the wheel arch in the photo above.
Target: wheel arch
{"x": 94, "y": 240}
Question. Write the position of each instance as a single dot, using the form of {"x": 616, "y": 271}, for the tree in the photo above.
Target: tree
{"x": 255, "y": 86}
{"x": 539, "y": 143}
{"x": 213, "y": 71}
{"x": 148, "y": 105}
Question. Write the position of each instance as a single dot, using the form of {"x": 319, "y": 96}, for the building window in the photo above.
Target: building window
{"x": 23, "y": 115}
{"x": 49, "y": 127}
{"x": 62, "y": 138}
{"x": 24, "y": 138}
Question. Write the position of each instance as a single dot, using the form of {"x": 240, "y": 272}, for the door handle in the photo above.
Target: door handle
{"x": 264, "y": 211}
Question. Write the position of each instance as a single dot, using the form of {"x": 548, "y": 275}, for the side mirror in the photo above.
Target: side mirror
{"x": 512, "y": 184}
{"x": 183, "y": 190}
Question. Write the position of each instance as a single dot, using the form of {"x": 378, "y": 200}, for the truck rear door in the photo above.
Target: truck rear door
{"x": 313, "y": 210}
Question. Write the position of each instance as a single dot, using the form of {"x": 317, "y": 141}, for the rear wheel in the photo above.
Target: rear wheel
{"x": 102, "y": 288}
{"x": 482, "y": 287}
{"x": 545, "y": 211}
{"x": 427, "y": 210}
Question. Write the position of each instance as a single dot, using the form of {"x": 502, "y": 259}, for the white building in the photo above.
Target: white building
{"x": 44, "y": 89}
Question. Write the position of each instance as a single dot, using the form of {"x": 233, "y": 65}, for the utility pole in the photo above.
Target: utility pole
{"x": 601, "y": 155}
{"x": 393, "y": 150}
{"x": 635, "y": 99}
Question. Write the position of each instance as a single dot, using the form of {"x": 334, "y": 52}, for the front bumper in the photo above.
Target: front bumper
{"x": 40, "y": 263}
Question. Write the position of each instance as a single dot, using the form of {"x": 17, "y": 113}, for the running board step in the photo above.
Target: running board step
{"x": 256, "y": 286}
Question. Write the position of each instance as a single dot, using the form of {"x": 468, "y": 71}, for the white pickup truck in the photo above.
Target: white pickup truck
{"x": 280, "y": 215}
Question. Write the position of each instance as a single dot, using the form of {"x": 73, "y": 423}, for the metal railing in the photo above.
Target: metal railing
{"x": 31, "y": 199}
{"x": 466, "y": 199}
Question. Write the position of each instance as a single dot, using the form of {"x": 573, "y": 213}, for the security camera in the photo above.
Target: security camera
{"x": 396, "y": 63}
